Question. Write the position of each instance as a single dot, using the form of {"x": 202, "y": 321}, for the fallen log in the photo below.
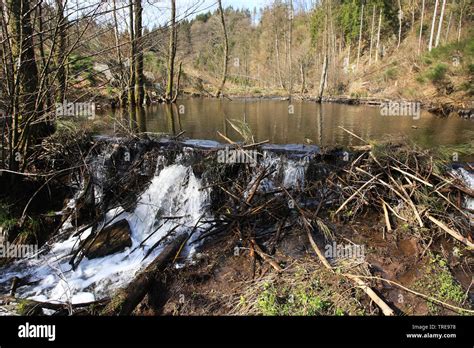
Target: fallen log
{"x": 134, "y": 293}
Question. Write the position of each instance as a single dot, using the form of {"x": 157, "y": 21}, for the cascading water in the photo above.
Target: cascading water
{"x": 173, "y": 191}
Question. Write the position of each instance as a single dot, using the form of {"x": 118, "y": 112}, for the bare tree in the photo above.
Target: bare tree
{"x": 324, "y": 70}
{"x": 360, "y": 32}
{"x": 377, "y": 48}
{"x": 400, "y": 19}
{"x": 132, "y": 57}
{"x": 372, "y": 35}
{"x": 430, "y": 45}
{"x": 421, "y": 24}
{"x": 171, "y": 53}
{"x": 226, "y": 50}
{"x": 440, "y": 25}
{"x": 460, "y": 21}
{"x": 139, "y": 78}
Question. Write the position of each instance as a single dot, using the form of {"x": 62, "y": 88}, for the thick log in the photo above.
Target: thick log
{"x": 138, "y": 288}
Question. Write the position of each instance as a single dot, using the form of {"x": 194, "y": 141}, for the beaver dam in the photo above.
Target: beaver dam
{"x": 151, "y": 226}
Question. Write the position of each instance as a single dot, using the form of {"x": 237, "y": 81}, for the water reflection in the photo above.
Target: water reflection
{"x": 272, "y": 120}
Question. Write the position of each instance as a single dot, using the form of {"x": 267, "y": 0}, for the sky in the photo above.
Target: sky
{"x": 157, "y": 12}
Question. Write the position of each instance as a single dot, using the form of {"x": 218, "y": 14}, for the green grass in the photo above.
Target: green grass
{"x": 82, "y": 67}
{"x": 6, "y": 221}
{"x": 297, "y": 301}
{"x": 439, "y": 283}
{"x": 439, "y": 62}
{"x": 437, "y": 73}
{"x": 391, "y": 73}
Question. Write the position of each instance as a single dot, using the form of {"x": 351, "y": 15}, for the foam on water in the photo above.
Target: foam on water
{"x": 174, "y": 191}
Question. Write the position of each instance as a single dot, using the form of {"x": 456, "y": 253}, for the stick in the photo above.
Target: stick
{"x": 394, "y": 212}
{"x": 387, "y": 219}
{"x": 355, "y": 194}
{"x": 429, "y": 298}
{"x": 412, "y": 176}
{"x": 354, "y": 135}
{"x": 265, "y": 257}
{"x": 374, "y": 297}
{"x": 450, "y": 231}
{"x": 382, "y": 305}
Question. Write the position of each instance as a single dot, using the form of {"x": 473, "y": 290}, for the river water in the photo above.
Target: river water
{"x": 282, "y": 122}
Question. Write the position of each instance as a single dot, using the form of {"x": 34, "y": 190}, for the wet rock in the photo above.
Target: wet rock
{"x": 112, "y": 239}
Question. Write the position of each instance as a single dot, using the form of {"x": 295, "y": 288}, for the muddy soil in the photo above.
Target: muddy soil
{"x": 223, "y": 270}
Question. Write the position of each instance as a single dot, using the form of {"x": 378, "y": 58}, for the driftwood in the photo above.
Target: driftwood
{"x": 139, "y": 287}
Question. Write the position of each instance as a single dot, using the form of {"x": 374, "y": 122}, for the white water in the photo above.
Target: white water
{"x": 468, "y": 179}
{"x": 286, "y": 172}
{"x": 174, "y": 191}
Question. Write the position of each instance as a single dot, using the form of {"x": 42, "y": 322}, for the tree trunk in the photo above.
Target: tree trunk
{"x": 60, "y": 53}
{"x": 460, "y": 22}
{"x": 277, "y": 52}
{"x": 440, "y": 25}
{"x": 433, "y": 22}
{"x": 360, "y": 32}
{"x": 449, "y": 26}
{"x": 48, "y": 102}
{"x": 26, "y": 76}
{"x": 377, "y": 48}
{"x": 421, "y": 24}
{"x": 119, "y": 54}
{"x": 177, "y": 83}
{"x": 132, "y": 58}
{"x": 290, "y": 39}
{"x": 324, "y": 71}
{"x": 226, "y": 51}
{"x": 372, "y": 35}
{"x": 322, "y": 83}
{"x": 139, "y": 78}
{"x": 171, "y": 53}
{"x": 138, "y": 288}
{"x": 400, "y": 17}
{"x": 303, "y": 78}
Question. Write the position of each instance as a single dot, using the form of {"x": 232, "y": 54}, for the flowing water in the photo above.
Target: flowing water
{"x": 173, "y": 191}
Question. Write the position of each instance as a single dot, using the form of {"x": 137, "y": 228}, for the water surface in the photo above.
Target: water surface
{"x": 273, "y": 120}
